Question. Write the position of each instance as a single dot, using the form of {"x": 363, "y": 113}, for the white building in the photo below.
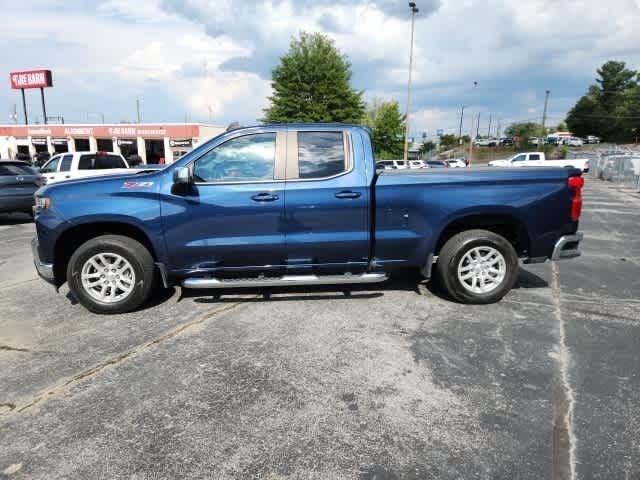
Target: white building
{"x": 152, "y": 142}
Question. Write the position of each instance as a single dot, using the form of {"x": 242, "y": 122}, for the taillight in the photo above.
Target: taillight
{"x": 576, "y": 183}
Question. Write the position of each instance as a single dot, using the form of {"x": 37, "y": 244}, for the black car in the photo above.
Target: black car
{"x": 437, "y": 164}
{"x": 18, "y": 183}
{"x": 506, "y": 141}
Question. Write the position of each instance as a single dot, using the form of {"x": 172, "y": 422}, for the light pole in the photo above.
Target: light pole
{"x": 414, "y": 10}
{"x": 460, "y": 129}
{"x": 475, "y": 84}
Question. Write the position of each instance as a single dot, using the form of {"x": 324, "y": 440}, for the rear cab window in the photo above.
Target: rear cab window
{"x": 97, "y": 161}
{"x": 534, "y": 156}
{"x": 321, "y": 154}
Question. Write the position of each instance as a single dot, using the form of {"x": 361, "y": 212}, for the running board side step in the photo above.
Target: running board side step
{"x": 283, "y": 281}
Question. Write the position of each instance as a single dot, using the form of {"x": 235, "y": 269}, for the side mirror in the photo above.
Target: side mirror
{"x": 182, "y": 176}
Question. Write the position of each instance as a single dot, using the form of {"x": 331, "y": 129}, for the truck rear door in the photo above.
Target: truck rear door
{"x": 326, "y": 201}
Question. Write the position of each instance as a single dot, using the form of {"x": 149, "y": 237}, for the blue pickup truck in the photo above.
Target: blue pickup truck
{"x": 300, "y": 204}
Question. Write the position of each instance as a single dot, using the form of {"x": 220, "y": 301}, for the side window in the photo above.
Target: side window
{"x": 241, "y": 159}
{"x": 65, "y": 165}
{"x": 320, "y": 154}
{"x": 534, "y": 156}
{"x": 520, "y": 158}
{"x": 100, "y": 161}
{"x": 51, "y": 166}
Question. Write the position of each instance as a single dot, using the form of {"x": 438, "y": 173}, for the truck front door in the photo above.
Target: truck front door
{"x": 327, "y": 202}
{"x": 231, "y": 218}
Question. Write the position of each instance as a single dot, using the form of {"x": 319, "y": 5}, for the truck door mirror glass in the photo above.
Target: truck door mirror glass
{"x": 182, "y": 176}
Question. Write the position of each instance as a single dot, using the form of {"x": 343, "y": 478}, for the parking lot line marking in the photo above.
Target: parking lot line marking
{"x": 119, "y": 359}
{"x": 564, "y": 442}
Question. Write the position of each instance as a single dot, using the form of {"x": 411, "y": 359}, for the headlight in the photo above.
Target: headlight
{"x": 42, "y": 203}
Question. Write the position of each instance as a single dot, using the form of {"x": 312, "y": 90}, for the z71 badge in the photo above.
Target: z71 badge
{"x": 137, "y": 185}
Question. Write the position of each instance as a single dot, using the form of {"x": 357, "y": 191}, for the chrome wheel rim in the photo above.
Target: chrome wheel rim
{"x": 482, "y": 270}
{"x": 108, "y": 277}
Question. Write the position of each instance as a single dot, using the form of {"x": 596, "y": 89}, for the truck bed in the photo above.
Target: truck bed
{"x": 414, "y": 207}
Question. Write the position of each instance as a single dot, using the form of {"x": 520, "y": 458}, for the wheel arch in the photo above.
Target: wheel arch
{"x": 504, "y": 224}
{"x": 69, "y": 241}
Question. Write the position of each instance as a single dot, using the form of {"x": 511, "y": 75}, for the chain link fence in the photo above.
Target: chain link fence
{"x": 617, "y": 166}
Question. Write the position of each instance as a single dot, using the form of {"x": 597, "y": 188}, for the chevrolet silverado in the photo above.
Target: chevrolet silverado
{"x": 300, "y": 204}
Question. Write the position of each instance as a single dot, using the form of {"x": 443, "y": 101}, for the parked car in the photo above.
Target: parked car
{"x": 574, "y": 142}
{"x": 486, "y": 142}
{"x": 506, "y": 141}
{"x": 418, "y": 164}
{"x": 243, "y": 211}
{"x": 593, "y": 139}
{"x": 391, "y": 164}
{"x": 437, "y": 164}
{"x": 71, "y": 165}
{"x": 456, "y": 163}
{"x": 538, "y": 159}
{"x": 18, "y": 184}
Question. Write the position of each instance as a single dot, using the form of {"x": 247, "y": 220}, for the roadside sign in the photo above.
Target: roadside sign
{"x": 31, "y": 79}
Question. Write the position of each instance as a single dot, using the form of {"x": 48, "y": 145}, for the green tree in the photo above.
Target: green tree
{"x": 611, "y": 106}
{"x": 524, "y": 130}
{"x": 387, "y": 128}
{"x": 427, "y": 147}
{"x": 447, "y": 141}
{"x": 312, "y": 84}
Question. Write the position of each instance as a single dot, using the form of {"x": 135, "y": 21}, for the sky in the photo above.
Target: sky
{"x": 211, "y": 60}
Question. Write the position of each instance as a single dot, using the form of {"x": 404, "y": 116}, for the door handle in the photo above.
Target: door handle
{"x": 264, "y": 197}
{"x": 348, "y": 194}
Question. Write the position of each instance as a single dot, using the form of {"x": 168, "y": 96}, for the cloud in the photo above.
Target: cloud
{"x": 189, "y": 57}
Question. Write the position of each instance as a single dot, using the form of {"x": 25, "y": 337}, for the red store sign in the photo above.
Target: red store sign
{"x": 103, "y": 131}
{"x": 31, "y": 79}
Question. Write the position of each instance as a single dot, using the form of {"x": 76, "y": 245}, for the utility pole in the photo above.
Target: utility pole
{"x": 138, "y": 108}
{"x": 478, "y": 126}
{"x": 475, "y": 84}
{"x": 460, "y": 129}
{"x": 414, "y": 10}
{"x": 498, "y": 131}
{"x": 544, "y": 115}
{"x": 489, "y": 129}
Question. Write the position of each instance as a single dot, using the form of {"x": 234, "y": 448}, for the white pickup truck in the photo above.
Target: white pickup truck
{"x": 71, "y": 165}
{"x": 537, "y": 159}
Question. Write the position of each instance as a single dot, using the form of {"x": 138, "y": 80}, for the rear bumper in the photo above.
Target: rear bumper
{"x": 568, "y": 246}
{"x": 45, "y": 270}
{"x": 21, "y": 203}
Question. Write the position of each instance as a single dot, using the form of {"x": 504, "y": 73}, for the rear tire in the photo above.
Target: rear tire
{"x": 477, "y": 267}
{"x": 111, "y": 274}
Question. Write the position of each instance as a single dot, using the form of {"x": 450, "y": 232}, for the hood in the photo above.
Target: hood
{"x": 100, "y": 183}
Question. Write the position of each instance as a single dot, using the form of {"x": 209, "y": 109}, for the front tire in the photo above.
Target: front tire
{"x": 111, "y": 274}
{"x": 477, "y": 267}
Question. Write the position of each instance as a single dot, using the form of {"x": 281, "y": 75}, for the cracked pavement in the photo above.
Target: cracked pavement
{"x": 390, "y": 381}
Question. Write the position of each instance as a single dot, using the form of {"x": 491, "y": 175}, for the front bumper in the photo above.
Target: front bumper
{"x": 568, "y": 246}
{"x": 45, "y": 270}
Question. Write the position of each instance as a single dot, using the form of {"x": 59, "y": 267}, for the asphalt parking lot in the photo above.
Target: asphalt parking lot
{"x": 383, "y": 382}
